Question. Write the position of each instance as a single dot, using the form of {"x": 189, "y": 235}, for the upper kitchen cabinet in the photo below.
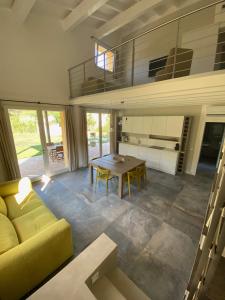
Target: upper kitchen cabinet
{"x": 126, "y": 124}
{"x": 174, "y": 126}
{"x": 159, "y": 126}
{"x": 147, "y": 125}
{"x": 167, "y": 126}
{"x": 137, "y": 125}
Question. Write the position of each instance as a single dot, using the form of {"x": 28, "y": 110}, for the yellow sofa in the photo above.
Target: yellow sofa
{"x": 33, "y": 242}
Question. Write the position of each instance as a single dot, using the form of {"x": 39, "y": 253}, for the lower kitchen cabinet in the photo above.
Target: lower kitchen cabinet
{"x": 162, "y": 160}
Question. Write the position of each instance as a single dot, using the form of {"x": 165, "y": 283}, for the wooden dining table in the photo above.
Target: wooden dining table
{"x": 117, "y": 168}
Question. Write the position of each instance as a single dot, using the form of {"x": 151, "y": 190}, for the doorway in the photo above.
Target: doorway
{"x": 98, "y": 134}
{"x": 39, "y": 139}
{"x": 211, "y": 147}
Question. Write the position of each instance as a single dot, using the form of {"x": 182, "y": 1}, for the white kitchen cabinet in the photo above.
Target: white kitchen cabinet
{"x": 137, "y": 125}
{"x": 174, "y": 126}
{"x": 127, "y": 124}
{"x": 162, "y": 160}
{"x": 168, "y": 162}
{"x": 127, "y": 149}
{"x": 159, "y": 126}
{"x": 147, "y": 125}
{"x": 123, "y": 148}
{"x": 155, "y": 156}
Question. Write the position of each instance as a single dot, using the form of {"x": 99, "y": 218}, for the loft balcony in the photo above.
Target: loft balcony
{"x": 191, "y": 44}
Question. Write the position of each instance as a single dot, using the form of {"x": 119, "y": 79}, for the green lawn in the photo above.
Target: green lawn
{"x": 29, "y": 145}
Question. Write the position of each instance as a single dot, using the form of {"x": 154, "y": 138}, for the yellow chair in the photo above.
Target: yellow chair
{"x": 132, "y": 176}
{"x": 103, "y": 175}
{"x": 141, "y": 173}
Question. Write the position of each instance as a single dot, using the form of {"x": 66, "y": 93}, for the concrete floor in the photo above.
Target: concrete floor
{"x": 34, "y": 166}
{"x": 157, "y": 230}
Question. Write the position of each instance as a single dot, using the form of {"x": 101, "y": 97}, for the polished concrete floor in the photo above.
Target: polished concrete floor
{"x": 157, "y": 230}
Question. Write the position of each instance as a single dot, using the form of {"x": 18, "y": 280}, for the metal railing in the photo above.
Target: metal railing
{"x": 173, "y": 49}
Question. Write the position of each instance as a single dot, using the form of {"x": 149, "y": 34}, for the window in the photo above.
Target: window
{"x": 108, "y": 64}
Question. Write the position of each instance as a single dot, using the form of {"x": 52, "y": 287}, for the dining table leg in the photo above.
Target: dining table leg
{"x": 120, "y": 188}
{"x": 91, "y": 170}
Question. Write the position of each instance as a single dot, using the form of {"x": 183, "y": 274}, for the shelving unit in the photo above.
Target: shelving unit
{"x": 118, "y": 132}
{"x": 184, "y": 143}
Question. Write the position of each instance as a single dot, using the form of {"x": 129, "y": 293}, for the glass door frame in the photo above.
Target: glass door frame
{"x": 39, "y": 108}
{"x": 100, "y": 112}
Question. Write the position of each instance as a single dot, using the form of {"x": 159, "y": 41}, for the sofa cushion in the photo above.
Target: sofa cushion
{"x": 3, "y": 208}
{"x": 33, "y": 222}
{"x": 8, "y": 236}
{"x": 17, "y": 208}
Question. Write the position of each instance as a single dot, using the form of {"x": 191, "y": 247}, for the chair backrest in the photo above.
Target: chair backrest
{"x": 59, "y": 148}
{"x": 141, "y": 170}
{"x": 132, "y": 173}
{"x": 101, "y": 171}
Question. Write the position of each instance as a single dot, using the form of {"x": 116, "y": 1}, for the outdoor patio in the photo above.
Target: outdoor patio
{"x": 34, "y": 166}
{"x": 93, "y": 151}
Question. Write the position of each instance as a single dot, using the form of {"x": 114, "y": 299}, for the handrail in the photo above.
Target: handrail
{"x": 148, "y": 31}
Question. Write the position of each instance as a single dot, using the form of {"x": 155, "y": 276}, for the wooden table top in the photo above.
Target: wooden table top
{"x": 116, "y": 167}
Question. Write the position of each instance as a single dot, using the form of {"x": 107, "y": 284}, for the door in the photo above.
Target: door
{"x": 211, "y": 147}
{"x": 28, "y": 142}
{"x": 105, "y": 132}
{"x": 39, "y": 139}
{"x": 55, "y": 146}
{"x": 98, "y": 134}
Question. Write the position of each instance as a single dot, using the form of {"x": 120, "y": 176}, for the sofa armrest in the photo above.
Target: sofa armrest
{"x": 28, "y": 264}
{"x": 9, "y": 187}
{"x": 22, "y": 185}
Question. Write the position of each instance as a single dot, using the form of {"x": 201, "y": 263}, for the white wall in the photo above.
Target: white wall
{"x": 35, "y": 56}
{"x": 159, "y": 43}
{"x": 193, "y": 111}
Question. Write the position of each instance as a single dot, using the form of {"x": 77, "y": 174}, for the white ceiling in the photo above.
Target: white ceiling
{"x": 116, "y": 14}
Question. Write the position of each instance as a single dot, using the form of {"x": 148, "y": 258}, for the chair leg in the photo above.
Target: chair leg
{"x": 139, "y": 183}
{"x": 96, "y": 182}
{"x": 107, "y": 186}
{"x": 128, "y": 182}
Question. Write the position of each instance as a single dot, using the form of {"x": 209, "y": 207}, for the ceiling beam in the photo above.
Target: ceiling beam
{"x": 125, "y": 17}
{"x": 85, "y": 9}
{"x": 118, "y": 10}
{"x": 22, "y": 9}
{"x": 100, "y": 17}
{"x": 156, "y": 17}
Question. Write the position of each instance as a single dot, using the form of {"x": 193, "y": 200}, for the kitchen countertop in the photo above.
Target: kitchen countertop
{"x": 151, "y": 147}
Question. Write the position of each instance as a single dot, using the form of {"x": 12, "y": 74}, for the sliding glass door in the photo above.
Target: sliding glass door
{"x": 27, "y": 140}
{"x": 55, "y": 137}
{"x": 98, "y": 134}
{"x": 39, "y": 139}
{"x": 105, "y": 122}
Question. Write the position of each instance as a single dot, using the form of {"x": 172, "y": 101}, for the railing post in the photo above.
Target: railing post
{"x": 176, "y": 47}
{"x": 132, "y": 62}
{"x": 104, "y": 72}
